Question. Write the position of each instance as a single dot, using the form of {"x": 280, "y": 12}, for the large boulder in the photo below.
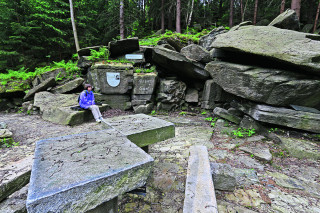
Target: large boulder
{"x": 206, "y": 40}
{"x": 270, "y": 86}
{"x": 56, "y": 108}
{"x": 171, "y": 94}
{"x": 178, "y": 64}
{"x": 196, "y": 53}
{"x": 60, "y": 72}
{"x": 124, "y": 46}
{"x": 69, "y": 86}
{"x": 289, "y": 47}
{"x": 50, "y": 82}
{"x": 282, "y": 116}
{"x": 287, "y": 20}
{"x": 105, "y": 77}
{"x": 144, "y": 83}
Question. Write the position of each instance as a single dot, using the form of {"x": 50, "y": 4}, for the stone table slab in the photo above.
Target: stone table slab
{"x": 77, "y": 173}
{"x": 143, "y": 130}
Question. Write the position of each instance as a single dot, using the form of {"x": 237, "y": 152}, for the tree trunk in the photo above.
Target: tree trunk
{"x": 241, "y": 10}
{"x": 190, "y": 17}
{"x": 74, "y": 27}
{"x": 162, "y": 16}
{"x": 231, "y": 13}
{"x": 244, "y": 10}
{"x": 255, "y": 12}
{"x": 121, "y": 20}
{"x": 296, "y": 5}
{"x": 178, "y": 17}
{"x": 316, "y": 20}
{"x": 220, "y": 9}
{"x": 283, "y": 5}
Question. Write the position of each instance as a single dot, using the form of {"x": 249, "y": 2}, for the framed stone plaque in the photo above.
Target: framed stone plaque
{"x": 113, "y": 78}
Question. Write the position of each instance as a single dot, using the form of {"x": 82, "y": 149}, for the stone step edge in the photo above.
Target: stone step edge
{"x": 199, "y": 190}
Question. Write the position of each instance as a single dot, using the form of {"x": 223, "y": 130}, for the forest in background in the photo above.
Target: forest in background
{"x": 35, "y": 33}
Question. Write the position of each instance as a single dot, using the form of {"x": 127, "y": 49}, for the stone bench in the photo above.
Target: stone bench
{"x": 199, "y": 194}
{"x": 87, "y": 172}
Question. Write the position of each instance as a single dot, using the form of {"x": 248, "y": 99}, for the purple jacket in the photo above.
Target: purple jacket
{"x": 86, "y": 99}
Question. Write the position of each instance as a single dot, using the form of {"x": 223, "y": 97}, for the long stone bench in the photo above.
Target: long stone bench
{"x": 199, "y": 193}
{"x": 87, "y": 172}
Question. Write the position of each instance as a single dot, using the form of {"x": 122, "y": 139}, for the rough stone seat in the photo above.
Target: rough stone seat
{"x": 199, "y": 194}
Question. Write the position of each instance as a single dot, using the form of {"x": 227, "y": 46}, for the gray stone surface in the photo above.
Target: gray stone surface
{"x": 248, "y": 162}
{"x": 227, "y": 178}
{"x": 97, "y": 77}
{"x": 145, "y": 109}
{"x": 50, "y": 82}
{"x": 142, "y": 129}
{"x": 206, "y": 40}
{"x": 226, "y": 207}
{"x": 124, "y": 46}
{"x": 300, "y": 148}
{"x": 67, "y": 174}
{"x": 56, "y": 108}
{"x": 286, "y": 181}
{"x": 5, "y": 133}
{"x": 290, "y": 47}
{"x": 114, "y": 101}
{"x": 283, "y": 116}
{"x": 208, "y": 95}
{"x": 270, "y": 86}
{"x": 259, "y": 151}
{"x": 178, "y": 64}
{"x": 3, "y": 125}
{"x": 192, "y": 95}
{"x": 61, "y": 72}
{"x": 226, "y": 115}
{"x": 196, "y": 52}
{"x": 199, "y": 193}
{"x": 14, "y": 176}
{"x": 15, "y": 203}
{"x": 287, "y": 20}
{"x": 249, "y": 123}
{"x": 144, "y": 83}
{"x": 69, "y": 86}
{"x": 307, "y": 28}
{"x": 167, "y": 46}
{"x": 171, "y": 91}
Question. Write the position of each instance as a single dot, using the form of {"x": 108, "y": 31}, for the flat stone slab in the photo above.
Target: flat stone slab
{"x": 142, "y": 129}
{"x": 14, "y": 176}
{"x": 199, "y": 194}
{"x": 77, "y": 173}
{"x": 259, "y": 151}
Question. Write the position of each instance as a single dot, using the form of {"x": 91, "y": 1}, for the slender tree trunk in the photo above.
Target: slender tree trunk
{"x": 244, "y": 10}
{"x": 231, "y": 13}
{"x": 255, "y": 12}
{"x": 190, "y": 17}
{"x": 283, "y": 5}
{"x": 316, "y": 20}
{"x": 162, "y": 16}
{"x": 220, "y": 9}
{"x": 178, "y": 18}
{"x": 241, "y": 10}
{"x": 74, "y": 27}
{"x": 296, "y": 5}
{"x": 121, "y": 20}
{"x": 170, "y": 27}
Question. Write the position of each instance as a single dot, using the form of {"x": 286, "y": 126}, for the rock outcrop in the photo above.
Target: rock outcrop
{"x": 298, "y": 49}
{"x": 287, "y": 20}
{"x": 270, "y": 86}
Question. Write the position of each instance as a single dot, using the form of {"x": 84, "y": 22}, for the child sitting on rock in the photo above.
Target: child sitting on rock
{"x": 87, "y": 102}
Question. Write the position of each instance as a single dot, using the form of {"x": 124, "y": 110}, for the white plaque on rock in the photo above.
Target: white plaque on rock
{"x": 113, "y": 78}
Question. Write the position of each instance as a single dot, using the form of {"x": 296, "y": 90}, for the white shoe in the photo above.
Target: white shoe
{"x": 98, "y": 121}
{"x": 101, "y": 119}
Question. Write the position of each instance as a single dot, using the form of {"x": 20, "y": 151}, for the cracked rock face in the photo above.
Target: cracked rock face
{"x": 270, "y": 86}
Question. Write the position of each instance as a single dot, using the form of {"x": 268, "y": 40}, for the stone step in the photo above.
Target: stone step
{"x": 199, "y": 195}
{"x": 142, "y": 129}
{"x": 14, "y": 177}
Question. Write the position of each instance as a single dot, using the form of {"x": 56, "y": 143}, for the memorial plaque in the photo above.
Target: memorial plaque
{"x": 134, "y": 56}
{"x": 113, "y": 78}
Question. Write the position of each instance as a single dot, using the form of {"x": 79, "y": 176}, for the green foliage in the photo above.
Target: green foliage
{"x": 8, "y": 142}
{"x": 182, "y": 113}
{"x": 242, "y": 132}
{"x": 153, "y": 112}
{"x": 204, "y": 113}
{"x": 208, "y": 119}
{"x": 102, "y": 54}
{"x": 142, "y": 70}
{"x": 21, "y": 74}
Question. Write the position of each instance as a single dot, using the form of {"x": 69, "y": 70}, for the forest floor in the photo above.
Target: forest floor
{"x": 285, "y": 184}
